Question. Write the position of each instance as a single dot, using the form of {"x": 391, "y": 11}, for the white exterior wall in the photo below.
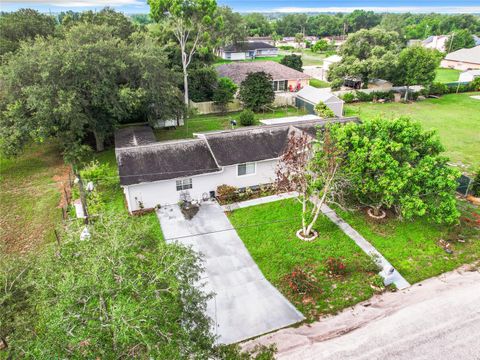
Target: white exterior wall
{"x": 234, "y": 56}
{"x": 336, "y": 107}
{"x": 165, "y": 192}
{"x": 266, "y": 52}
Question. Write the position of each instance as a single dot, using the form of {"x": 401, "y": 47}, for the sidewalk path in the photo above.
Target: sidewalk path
{"x": 389, "y": 273}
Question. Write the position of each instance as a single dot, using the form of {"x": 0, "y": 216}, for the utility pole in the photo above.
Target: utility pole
{"x": 83, "y": 197}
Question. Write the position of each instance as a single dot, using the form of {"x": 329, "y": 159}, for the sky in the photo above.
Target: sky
{"x": 285, "y": 6}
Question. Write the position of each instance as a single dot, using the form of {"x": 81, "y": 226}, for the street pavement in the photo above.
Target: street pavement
{"x": 437, "y": 319}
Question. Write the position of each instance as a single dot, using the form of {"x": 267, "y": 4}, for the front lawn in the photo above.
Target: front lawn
{"x": 202, "y": 123}
{"x": 30, "y": 193}
{"x": 319, "y": 83}
{"x": 277, "y": 251}
{"x": 445, "y": 75}
{"x": 455, "y": 117}
{"x": 414, "y": 247}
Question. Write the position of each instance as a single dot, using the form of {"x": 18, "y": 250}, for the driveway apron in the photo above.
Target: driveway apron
{"x": 245, "y": 304}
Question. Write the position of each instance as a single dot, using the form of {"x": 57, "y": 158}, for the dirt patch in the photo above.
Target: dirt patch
{"x": 63, "y": 181}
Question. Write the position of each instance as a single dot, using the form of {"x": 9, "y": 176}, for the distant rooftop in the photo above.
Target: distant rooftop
{"x": 247, "y": 45}
{"x": 465, "y": 55}
{"x": 239, "y": 71}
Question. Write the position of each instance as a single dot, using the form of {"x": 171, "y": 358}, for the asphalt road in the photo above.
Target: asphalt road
{"x": 440, "y": 319}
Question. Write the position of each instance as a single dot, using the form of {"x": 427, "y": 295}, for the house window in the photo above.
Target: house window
{"x": 184, "y": 184}
{"x": 246, "y": 169}
{"x": 279, "y": 85}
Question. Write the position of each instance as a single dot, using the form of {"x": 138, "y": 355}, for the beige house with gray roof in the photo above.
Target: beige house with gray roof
{"x": 463, "y": 59}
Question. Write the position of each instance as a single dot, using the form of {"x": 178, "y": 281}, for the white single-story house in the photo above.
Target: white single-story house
{"x": 162, "y": 173}
{"x": 327, "y": 62}
{"x": 463, "y": 59}
{"x": 248, "y": 50}
{"x": 284, "y": 78}
{"x": 265, "y": 39}
{"x": 310, "y": 96}
{"x": 469, "y": 75}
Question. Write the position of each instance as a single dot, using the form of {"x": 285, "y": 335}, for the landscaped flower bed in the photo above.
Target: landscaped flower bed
{"x": 229, "y": 194}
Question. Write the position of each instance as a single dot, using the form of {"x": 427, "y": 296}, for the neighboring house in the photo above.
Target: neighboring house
{"x": 463, "y": 59}
{"x": 469, "y": 75}
{"x": 284, "y": 78}
{"x": 336, "y": 40}
{"x": 437, "y": 42}
{"x": 327, "y": 62}
{"x": 161, "y": 173}
{"x": 247, "y": 50}
{"x": 290, "y": 41}
{"x": 310, "y": 96}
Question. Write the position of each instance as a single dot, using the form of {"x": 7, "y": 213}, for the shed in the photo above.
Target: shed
{"x": 469, "y": 75}
{"x": 310, "y": 96}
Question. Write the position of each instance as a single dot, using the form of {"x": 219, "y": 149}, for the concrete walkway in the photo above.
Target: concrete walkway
{"x": 259, "y": 201}
{"x": 438, "y": 318}
{"x": 245, "y": 304}
{"x": 389, "y": 273}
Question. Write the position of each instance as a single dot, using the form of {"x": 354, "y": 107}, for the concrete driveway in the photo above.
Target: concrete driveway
{"x": 245, "y": 303}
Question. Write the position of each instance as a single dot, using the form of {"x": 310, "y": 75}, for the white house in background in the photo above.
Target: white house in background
{"x": 162, "y": 173}
{"x": 469, "y": 75}
{"x": 327, "y": 62}
{"x": 437, "y": 42}
{"x": 248, "y": 50}
{"x": 310, "y": 96}
{"x": 463, "y": 59}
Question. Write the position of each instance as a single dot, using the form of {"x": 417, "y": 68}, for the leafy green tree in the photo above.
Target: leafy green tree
{"x": 299, "y": 38}
{"x": 395, "y": 164}
{"x": 292, "y": 24}
{"x": 361, "y": 19}
{"x": 476, "y": 185}
{"x": 122, "y": 293}
{"x": 189, "y": 20}
{"x": 224, "y": 92}
{"x": 416, "y": 66}
{"x": 234, "y": 29}
{"x": 257, "y": 24}
{"x": 82, "y": 84}
{"x": 323, "y": 110}
{"x": 292, "y": 61}
{"x": 121, "y": 25}
{"x": 320, "y": 45}
{"x": 203, "y": 81}
{"x": 256, "y": 91}
{"x": 367, "y": 43}
{"x": 21, "y": 25}
{"x": 461, "y": 39}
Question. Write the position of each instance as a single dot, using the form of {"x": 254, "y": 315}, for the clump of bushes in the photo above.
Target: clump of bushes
{"x": 348, "y": 97}
{"x": 302, "y": 280}
{"x": 476, "y": 185}
{"x": 226, "y": 193}
{"x": 247, "y": 117}
{"x": 286, "y": 47}
{"x": 336, "y": 266}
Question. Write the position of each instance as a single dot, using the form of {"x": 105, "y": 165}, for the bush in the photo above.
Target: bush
{"x": 227, "y": 193}
{"x": 437, "y": 89}
{"x": 476, "y": 185}
{"x": 224, "y": 93}
{"x": 348, "y": 97}
{"x": 286, "y": 47}
{"x": 363, "y": 96}
{"x": 293, "y": 61}
{"x": 256, "y": 91}
{"x": 247, "y": 117}
{"x": 475, "y": 84}
{"x": 335, "y": 266}
{"x": 302, "y": 280}
{"x": 323, "y": 110}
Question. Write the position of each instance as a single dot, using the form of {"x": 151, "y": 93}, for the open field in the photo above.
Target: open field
{"x": 201, "y": 123}
{"x": 29, "y": 197}
{"x": 447, "y": 75}
{"x": 456, "y": 118}
{"x": 308, "y": 57}
{"x": 319, "y": 83}
{"x": 413, "y": 247}
{"x": 277, "y": 251}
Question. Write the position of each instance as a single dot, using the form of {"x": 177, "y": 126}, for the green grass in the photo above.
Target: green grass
{"x": 455, "y": 117}
{"x": 447, "y": 75}
{"x": 201, "y": 123}
{"x": 276, "y": 250}
{"x": 308, "y": 57}
{"x": 29, "y": 197}
{"x": 319, "y": 83}
{"x": 413, "y": 247}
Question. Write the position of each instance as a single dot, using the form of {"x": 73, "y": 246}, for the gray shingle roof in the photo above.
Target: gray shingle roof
{"x": 134, "y": 136}
{"x": 183, "y": 158}
{"x": 239, "y": 71}
{"x": 247, "y": 45}
{"x": 162, "y": 161}
{"x": 465, "y": 55}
